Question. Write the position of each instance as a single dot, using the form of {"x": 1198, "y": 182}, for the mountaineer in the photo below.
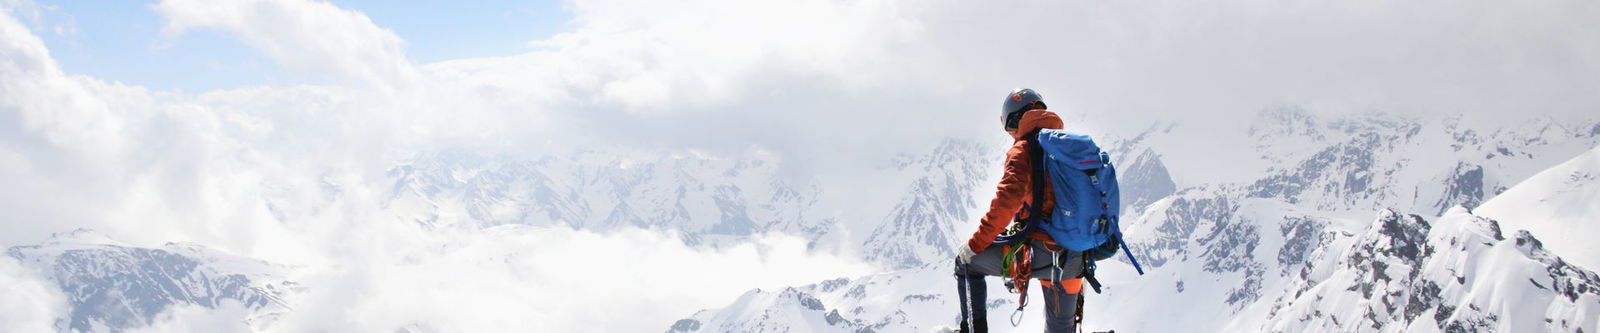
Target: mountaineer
{"x": 1059, "y": 197}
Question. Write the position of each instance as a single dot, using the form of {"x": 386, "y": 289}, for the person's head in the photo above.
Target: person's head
{"x": 1019, "y": 101}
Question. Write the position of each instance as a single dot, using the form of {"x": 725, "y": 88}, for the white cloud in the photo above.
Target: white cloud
{"x": 154, "y": 166}
{"x": 548, "y": 278}
{"x": 225, "y": 317}
{"x": 25, "y": 8}
{"x": 28, "y": 303}
{"x": 55, "y": 133}
{"x": 835, "y": 81}
{"x": 310, "y": 37}
{"x": 853, "y": 80}
{"x": 665, "y": 57}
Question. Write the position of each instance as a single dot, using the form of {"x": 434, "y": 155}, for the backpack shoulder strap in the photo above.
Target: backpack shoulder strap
{"x": 1038, "y": 179}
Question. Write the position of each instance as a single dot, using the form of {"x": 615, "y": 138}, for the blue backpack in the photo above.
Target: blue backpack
{"x": 1087, "y": 203}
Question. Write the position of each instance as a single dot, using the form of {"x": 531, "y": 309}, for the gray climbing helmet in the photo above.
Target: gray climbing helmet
{"x": 1016, "y": 103}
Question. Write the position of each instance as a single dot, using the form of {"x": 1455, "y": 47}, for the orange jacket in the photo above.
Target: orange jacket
{"x": 1016, "y": 186}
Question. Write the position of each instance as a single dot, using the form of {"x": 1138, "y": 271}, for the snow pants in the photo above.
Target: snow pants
{"x": 1060, "y": 299}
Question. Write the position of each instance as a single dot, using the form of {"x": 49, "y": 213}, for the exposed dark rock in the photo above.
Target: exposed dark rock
{"x": 1464, "y": 188}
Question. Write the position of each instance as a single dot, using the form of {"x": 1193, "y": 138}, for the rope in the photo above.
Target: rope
{"x": 1055, "y": 262}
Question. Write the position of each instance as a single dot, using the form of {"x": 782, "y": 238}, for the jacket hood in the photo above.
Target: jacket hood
{"x": 1036, "y": 119}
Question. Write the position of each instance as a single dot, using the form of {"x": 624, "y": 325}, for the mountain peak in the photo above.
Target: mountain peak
{"x": 117, "y": 286}
{"x": 84, "y": 236}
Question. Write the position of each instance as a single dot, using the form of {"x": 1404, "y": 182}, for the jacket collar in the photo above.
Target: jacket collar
{"x": 1036, "y": 119}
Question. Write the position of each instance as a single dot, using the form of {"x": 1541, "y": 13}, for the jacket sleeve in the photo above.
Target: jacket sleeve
{"x": 1008, "y": 198}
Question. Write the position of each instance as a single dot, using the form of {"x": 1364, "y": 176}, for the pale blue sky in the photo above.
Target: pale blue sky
{"x": 122, "y": 41}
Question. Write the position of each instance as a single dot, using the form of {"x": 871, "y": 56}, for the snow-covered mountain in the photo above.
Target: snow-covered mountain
{"x": 921, "y": 226}
{"x": 705, "y": 199}
{"x": 1456, "y": 274}
{"x": 1352, "y": 223}
{"x": 113, "y": 286}
{"x": 1368, "y": 162}
{"x": 1396, "y": 273}
{"x": 1358, "y": 223}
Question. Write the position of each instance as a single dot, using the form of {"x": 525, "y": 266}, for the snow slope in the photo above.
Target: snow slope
{"x": 1456, "y": 274}
{"x": 1560, "y": 205}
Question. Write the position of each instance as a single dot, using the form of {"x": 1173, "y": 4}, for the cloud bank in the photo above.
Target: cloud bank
{"x": 548, "y": 278}
{"x": 27, "y": 302}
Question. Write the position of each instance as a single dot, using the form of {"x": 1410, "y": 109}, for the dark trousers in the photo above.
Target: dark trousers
{"x": 1059, "y": 305}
